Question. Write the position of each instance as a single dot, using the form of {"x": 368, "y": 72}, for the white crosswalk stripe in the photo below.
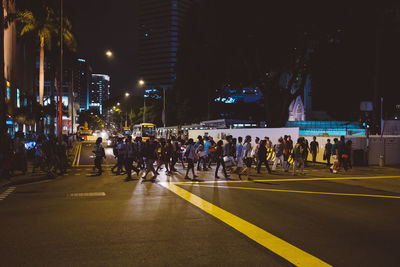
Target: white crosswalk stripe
{"x": 93, "y": 194}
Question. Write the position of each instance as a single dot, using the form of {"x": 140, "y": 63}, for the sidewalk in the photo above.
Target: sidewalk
{"x": 19, "y": 178}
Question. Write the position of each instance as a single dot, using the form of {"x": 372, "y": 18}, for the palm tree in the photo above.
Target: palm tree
{"x": 45, "y": 24}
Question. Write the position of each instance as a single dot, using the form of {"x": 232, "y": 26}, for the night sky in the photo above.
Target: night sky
{"x": 100, "y": 25}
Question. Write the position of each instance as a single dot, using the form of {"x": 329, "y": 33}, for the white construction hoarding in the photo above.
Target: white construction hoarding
{"x": 272, "y": 133}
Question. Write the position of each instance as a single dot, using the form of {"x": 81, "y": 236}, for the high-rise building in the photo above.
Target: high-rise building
{"x": 82, "y": 82}
{"x": 99, "y": 91}
{"x": 160, "y": 22}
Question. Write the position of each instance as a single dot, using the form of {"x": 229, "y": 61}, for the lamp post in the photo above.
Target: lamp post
{"x": 110, "y": 55}
{"x": 141, "y": 84}
{"x": 61, "y": 72}
{"x": 126, "y": 113}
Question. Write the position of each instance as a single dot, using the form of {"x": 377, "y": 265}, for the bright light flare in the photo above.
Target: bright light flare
{"x": 141, "y": 82}
{"x": 109, "y": 53}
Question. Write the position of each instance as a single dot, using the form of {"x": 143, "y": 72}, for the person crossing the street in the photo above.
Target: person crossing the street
{"x": 131, "y": 156}
{"x": 99, "y": 155}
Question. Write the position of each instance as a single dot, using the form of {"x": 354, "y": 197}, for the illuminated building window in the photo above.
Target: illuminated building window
{"x": 18, "y": 98}
{"x": 8, "y": 91}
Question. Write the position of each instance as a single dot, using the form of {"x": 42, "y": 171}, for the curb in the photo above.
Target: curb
{"x": 25, "y": 181}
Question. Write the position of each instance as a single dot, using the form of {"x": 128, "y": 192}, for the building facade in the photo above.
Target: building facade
{"x": 160, "y": 23}
{"x": 99, "y": 91}
{"x": 82, "y": 81}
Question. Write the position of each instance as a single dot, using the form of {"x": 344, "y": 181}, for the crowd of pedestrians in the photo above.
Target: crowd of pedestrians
{"x": 49, "y": 155}
{"x": 231, "y": 156}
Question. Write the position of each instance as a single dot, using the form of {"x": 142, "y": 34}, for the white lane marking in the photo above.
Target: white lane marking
{"x": 7, "y": 192}
{"x": 92, "y": 194}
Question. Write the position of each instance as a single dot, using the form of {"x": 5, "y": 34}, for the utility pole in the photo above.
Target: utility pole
{"x": 71, "y": 100}
{"x": 144, "y": 108}
{"x": 164, "y": 111}
{"x": 61, "y": 72}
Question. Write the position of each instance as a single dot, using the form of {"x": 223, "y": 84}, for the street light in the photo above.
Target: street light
{"x": 141, "y": 84}
{"x": 118, "y": 104}
{"x": 126, "y": 113}
{"x": 109, "y": 53}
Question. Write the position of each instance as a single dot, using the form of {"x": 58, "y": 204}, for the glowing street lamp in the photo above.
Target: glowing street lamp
{"x": 141, "y": 82}
{"x": 109, "y": 53}
{"x": 126, "y": 94}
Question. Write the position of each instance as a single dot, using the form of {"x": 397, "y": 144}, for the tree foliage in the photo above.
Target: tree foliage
{"x": 254, "y": 44}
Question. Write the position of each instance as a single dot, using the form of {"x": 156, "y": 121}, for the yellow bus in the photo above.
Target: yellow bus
{"x": 144, "y": 130}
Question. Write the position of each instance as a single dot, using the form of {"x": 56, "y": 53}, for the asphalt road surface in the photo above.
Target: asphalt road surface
{"x": 80, "y": 219}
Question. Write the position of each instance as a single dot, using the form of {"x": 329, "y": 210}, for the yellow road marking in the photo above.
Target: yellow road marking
{"x": 301, "y": 192}
{"x": 275, "y": 244}
{"x": 79, "y": 155}
{"x": 76, "y": 154}
{"x": 294, "y": 180}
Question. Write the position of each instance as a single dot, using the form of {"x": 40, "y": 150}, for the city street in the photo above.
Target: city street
{"x": 317, "y": 219}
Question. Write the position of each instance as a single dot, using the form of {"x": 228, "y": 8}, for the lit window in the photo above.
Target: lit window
{"x": 18, "y": 99}
{"x": 8, "y": 91}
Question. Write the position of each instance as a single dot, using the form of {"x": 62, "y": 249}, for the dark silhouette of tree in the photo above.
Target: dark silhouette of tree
{"x": 255, "y": 44}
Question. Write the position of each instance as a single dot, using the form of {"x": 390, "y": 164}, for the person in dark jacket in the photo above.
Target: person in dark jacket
{"x": 328, "y": 152}
{"x": 99, "y": 155}
{"x": 131, "y": 156}
{"x": 262, "y": 157}
{"x": 219, "y": 157}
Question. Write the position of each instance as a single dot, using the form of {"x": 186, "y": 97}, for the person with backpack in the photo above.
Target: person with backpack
{"x": 99, "y": 155}
{"x": 150, "y": 156}
{"x": 328, "y": 152}
{"x": 228, "y": 153}
{"x": 131, "y": 155}
{"x": 212, "y": 149}
{"x": 140, "y": 146}
{"x": 190, "y": 154}
{"x": 247, "y": 157}
{"x": 335, "y": 156}
{"x": 164, "y": 156}
{"x": 255, "y": 151}
{"x": 202, "y": 157}
{"x": 219, "y": 157}
{"x": 298, "y": 156}
{"x": 346, "y": 155}
{"x": 119, "y": 152}
{"x": 239, "y": 155}
{"x": 38, "y": 162}
{"x": 314, "y": 149}
{"x": 262, "y": 156}
{"x": 278, "y": 149}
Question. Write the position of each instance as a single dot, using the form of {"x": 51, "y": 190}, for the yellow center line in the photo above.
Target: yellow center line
{"x": 278, "y": 246}
{"x": 76, "y": 155}
{"x": 294, "y": 180}
{"x": 79, "y": 155}
{"x": 301, "y": 192}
